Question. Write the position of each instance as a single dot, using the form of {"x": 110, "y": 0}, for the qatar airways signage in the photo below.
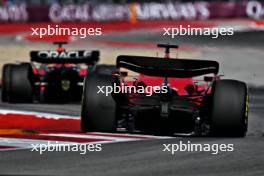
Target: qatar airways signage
{"x": 13, "y": 13}
{"x": 118, "y": 12}
{"x": 87, "y": 12}
{"x": 189, "y": 11}
{"x": 59, "y": 13}
{"x": 101, "y": 12}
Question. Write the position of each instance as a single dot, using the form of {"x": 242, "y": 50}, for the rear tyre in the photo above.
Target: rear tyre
{"x": 98, "y": 110}
{"x": 20, "y": 84}
{"x": 6, "y": 82}
{"x": 229, "y": 109}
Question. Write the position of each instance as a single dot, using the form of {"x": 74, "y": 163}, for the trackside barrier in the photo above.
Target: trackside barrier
{"x": 131, "y": 12}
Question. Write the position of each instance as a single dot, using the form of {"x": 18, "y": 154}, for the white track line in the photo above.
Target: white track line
{"x": 38, "y": 114}
{"x": 27, "y": 143}
{"x": 132, "y": 135}
{"x": 108, "y": 138}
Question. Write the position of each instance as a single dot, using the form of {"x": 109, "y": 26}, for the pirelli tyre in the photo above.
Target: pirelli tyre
{"x": 6, "y": 82}
{"x": 98, "y": 110}
{"x": 20, "y": 88}
{"x": 229, "y": 109}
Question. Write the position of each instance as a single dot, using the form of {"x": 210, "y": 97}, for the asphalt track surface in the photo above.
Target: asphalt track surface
{"x": 147, "y": 157}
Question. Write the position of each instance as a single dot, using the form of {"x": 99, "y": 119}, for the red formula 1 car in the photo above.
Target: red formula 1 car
{"x": 52, "y": 75}
{"x": 167, "y": 96}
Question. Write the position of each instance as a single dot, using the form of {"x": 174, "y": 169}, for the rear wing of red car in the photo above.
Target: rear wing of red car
{"x": 163, "y": 67}
{"x": 63, "y": 57}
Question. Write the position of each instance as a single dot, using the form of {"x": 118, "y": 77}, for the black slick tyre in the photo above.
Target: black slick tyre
{"x": 98, "y": 110}
{"x": 20, "y": 84}
{"x": 229, "y": 116}
{"x": 6, "y": 82}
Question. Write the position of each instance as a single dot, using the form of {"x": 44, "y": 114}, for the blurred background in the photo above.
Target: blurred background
{"x": 4, "y": 2}
{"x": 135, "y": 26}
